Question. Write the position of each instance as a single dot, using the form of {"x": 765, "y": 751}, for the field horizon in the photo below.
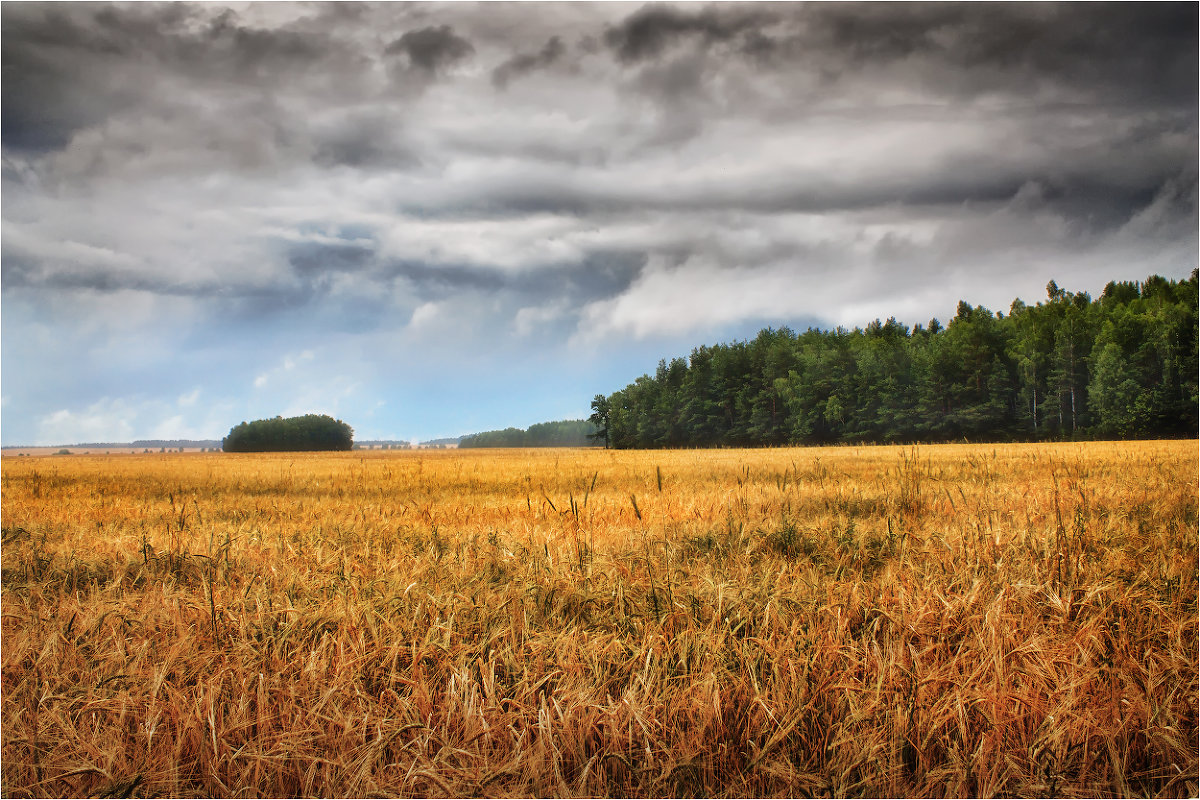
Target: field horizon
{"x": 932, "y": 620}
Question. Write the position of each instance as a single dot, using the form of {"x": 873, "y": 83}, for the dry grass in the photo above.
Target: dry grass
{"x": 952, "y": 620}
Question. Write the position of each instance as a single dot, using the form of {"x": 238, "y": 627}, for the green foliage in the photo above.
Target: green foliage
{"x": 310, "y": 432}
{"x": 1069, "y": 367}
{"x": 599, "y": 419}
{"x": 563, "y": 433}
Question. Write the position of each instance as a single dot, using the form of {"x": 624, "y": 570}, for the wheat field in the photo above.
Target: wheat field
{"x": 956, "y": 620}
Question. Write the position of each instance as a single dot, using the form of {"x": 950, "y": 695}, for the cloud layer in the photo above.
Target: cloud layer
{"x": 455, "y": 217}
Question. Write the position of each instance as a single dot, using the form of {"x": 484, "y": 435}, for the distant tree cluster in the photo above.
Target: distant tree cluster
{"x": 563, "y": 433}
{"x": 1124, "y": 366}
{"x": 310, "y": 432}
{"x": 448, "y": 440}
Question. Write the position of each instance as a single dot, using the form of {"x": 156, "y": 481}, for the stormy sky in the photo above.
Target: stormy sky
{"x": 430, "y": 220}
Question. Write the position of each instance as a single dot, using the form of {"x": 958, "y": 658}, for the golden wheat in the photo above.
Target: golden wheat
{"x": 932, "y": 621}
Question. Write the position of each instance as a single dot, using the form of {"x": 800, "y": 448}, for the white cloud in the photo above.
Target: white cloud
{"x": 106, "y": 420}
{"x": 124, "y": 419}
{"x": 531, "y": 318}
{"x": 175, "y": 427}
{"x": 329, "y": 397}
{"x": 289, "y": 363}
{"x": 424, "y": 316}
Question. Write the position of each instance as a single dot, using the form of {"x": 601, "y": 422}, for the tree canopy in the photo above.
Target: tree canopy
{"x": 310, "y": 432}
{"x": 1123, "y": 365}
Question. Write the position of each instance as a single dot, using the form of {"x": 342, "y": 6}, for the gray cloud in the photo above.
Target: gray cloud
{"x": 73, "y": 66}
{"x": 1103, "y": 52}
{"x": 362, "y": 139}
{"x": 431, "y": 49}
{"x": 51, "y": 83}
{"x": 403, "y": 184}
{"x": 1116, "y": 52}
{"x": 648, "y": 32}
{"x": 525, "y": 63}
{"x": 316, "y": 259}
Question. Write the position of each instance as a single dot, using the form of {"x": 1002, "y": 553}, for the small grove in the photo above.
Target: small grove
{"x": 1121, "y": 366}
{"x": 949, "y": 620}
{"x": 310, "y": 432}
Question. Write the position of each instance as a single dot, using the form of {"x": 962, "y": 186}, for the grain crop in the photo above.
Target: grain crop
{"x": 953, "y": 620}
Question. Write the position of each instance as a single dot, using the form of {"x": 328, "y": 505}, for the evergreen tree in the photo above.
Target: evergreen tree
{"x": 1070, "y": 366}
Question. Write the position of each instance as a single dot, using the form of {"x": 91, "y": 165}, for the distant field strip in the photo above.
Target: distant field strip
{"x": 886, "y": 621}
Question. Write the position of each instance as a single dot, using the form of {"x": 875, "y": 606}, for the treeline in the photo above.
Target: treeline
{"x": 170, "y": 444}
{"x": 310, "y": 432}
{"x": 1124, "y": 365}
{"x": 563, "y": 433}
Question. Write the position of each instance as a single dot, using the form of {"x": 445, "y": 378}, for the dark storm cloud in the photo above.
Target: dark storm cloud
{"x": 431, "y": 49}
{"x": 367, "y": 138}
{"x": 69, "y": 67}
{"x": 51, "y": 84}
{"x": 1085, "y": 194}
{"x": 412, "y": 178}
{"x": 361, "y": 147}
{"x": 1124, "y": 52}
{"x": 227, "y": 48}
{"x": 521, "y": 65}
{"x": 652, "y": 29}
{"x": 1105, "y": 46}
{"x": 596, "y": 276}
{"x": 1132, "y": 50}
